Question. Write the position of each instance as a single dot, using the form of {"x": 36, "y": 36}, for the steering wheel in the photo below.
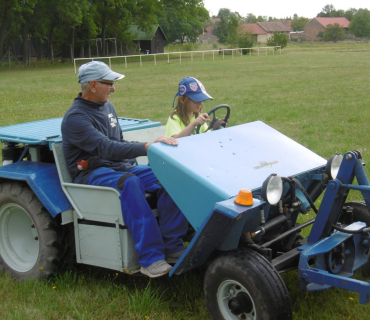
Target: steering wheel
{"x": 211, "y": 125}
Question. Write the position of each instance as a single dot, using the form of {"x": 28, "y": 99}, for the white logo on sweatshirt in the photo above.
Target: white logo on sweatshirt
{"x": 113, "y": 121}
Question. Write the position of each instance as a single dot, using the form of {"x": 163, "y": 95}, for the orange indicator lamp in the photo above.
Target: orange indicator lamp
{"x": 244, "y": 197}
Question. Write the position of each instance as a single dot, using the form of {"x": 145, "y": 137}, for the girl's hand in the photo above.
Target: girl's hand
{"x": 201, "y": 119}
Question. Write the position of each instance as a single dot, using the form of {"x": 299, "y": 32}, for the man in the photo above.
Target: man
{"x": 97, "y": 154}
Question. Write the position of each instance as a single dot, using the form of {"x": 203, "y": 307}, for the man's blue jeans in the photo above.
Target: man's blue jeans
{"x": 153, "y": 240}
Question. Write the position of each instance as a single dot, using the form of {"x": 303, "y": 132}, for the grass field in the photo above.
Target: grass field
{"x": 316, "y": 94}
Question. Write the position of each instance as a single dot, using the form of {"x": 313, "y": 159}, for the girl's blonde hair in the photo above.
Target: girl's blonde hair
{"x": 181, "y": 110}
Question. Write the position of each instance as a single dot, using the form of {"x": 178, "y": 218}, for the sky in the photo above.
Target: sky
{"x": 281, "y": 9}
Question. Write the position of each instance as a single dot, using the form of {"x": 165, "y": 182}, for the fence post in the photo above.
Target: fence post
{"x": 126, "y": 62}
{"x": 223, "y": 54}
{"x": 109, "y": 63}
{"x": 155, "y": 60}
{"x": 141, "y": 64}
{"x": 232, "y": 53}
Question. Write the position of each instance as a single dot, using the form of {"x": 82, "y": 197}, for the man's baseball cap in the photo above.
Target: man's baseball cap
{"x": 193, "y": 89}
{"x": 96, "y": 70}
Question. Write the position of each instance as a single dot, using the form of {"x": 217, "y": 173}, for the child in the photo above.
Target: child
{"x": 187, "y": 115}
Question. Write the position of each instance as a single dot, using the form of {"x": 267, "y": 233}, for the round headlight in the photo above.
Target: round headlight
{"x": 333, "y": 165}
{"x": 272, "y": 189}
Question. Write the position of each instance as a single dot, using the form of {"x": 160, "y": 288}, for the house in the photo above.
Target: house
{"x": 149, "y": 42}
{"x": 259, "y": 33}
{"x": 274, "y": 26}
{"x": 264, "y": 30}
{"x": 320, "y": 24}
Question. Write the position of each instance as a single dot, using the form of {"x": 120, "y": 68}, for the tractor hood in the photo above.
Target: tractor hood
{"x": 208, "y": 168}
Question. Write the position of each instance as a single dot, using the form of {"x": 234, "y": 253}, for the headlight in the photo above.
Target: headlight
{"x": 272, "y": 189}
{"x": 333, "y": 166}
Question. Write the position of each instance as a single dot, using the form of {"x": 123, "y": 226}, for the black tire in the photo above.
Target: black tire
{"x": 360, "y": 213}
{"x": 244, "y": 285}
{"x": 30, "y": 239}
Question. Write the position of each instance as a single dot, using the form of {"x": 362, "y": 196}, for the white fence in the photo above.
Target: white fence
{"x": 256, "y": 50}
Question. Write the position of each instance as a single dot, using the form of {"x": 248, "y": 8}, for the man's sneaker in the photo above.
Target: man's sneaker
{"x": 174, "y": 257}
{"x": 156, "y": 269}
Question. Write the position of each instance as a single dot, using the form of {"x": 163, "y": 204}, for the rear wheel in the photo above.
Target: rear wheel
{"x": 244, "y": 285}
{"x": 30, "y": 239}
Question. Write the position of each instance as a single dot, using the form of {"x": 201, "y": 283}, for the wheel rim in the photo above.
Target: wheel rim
{"x": 19, "y": 244}
{"x": 235, "y": 302}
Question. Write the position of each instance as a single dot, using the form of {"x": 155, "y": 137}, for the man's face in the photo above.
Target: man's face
{"x": 103, "y": 90}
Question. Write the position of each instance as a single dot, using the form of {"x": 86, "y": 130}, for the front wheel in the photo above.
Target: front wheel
{"x": 244, "y": 285}
{"x": 30, "y": 239}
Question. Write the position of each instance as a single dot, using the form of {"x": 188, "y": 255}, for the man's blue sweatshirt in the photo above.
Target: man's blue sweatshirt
{"x": 91, "y": 132}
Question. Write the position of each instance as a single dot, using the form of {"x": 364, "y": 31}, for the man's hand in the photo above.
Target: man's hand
{"x": 167, "y": 140}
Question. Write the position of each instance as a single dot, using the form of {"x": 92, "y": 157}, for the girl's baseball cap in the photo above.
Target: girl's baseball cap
{"x": 193, "y": 89}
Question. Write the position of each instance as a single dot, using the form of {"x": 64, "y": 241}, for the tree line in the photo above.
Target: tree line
{"x": 69, "y": 25}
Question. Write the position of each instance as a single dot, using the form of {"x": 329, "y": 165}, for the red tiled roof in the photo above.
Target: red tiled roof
{"x": 272, "y": 26}
{"x": 343, "y": 22}
{"x": 214, "y": 20}
{"x": 254, "y": 28}
{"x": 288, "y": 23}
{"x": 209, "y": 29}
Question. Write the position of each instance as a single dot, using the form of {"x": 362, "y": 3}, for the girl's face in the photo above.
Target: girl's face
{"x": 194, "y": 106}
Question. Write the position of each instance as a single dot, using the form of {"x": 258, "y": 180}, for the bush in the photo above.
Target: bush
{"x": 278, "y": 39}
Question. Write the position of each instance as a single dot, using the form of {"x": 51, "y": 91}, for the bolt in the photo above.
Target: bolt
{"x": 332, "y": 185}
{"x": 304, "y": 276}
{"x": 365, "y": 243}
{"x": 342, "y": 261}
{"x": 348, "y": 251}
{"x": 231, "y": 291}
{"x": 348, "y": 157}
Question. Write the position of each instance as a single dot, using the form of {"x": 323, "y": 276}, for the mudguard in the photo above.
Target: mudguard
{"x": 44, "y": 181}
{"x": 220, "y": 231}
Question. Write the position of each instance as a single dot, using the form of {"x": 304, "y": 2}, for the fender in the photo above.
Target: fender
{"x": 221, "y": 230}
{"x": 44, "y": 181}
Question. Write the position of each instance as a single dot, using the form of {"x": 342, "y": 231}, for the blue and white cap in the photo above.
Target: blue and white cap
{"x": 193, "y": 89}
{"x": 96, "y": 70}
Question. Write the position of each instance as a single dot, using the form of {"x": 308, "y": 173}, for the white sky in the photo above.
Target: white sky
{"x": 281, "y": 9}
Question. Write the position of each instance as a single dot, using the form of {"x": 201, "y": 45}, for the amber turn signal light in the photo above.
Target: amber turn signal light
{"x": 244, "y": 197}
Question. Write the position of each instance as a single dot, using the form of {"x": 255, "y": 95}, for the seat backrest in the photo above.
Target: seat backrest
{"x": 60, "y": 161}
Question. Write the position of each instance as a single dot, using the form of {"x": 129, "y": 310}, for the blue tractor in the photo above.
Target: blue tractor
{"x": 247, "y": 238}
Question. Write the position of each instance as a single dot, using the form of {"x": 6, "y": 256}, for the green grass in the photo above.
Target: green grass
{"x": 317, "y": 94}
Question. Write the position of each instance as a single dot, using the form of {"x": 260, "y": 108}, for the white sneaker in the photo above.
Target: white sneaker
{"x": 156, "y": 269}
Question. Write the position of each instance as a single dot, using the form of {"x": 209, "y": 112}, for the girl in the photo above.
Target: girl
{"x": 187, "y": 115}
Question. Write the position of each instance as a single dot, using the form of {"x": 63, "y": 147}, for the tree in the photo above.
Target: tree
{"x": 185, "y": 22}
{"x": 278, "y": 39}
{"x": 360, "y": 24}
{"x": 298, "y": 23}
{"x": 334, "y": 33}
{"x": 349, "y": 13}
{"x": 325, "y": 11}
{"x": 245, "y": 39}
{"x": 226, "y": 29}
